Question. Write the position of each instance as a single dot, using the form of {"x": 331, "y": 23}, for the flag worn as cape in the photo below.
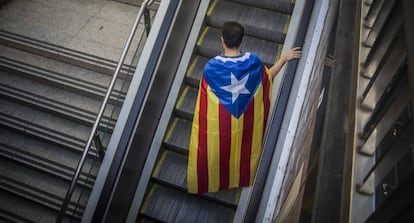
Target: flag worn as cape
{"x": 229, "y": 122}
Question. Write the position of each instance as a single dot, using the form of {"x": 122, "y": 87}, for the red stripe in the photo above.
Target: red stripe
{"x": 225, "y": 146}
{"x": 266, "y": 99}
{"x": 246, "y": 148}
{"x": 202, "y": 165}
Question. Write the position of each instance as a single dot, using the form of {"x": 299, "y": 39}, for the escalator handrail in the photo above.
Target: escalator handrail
{"x": 277, "y": 116}
{"x": 131, "y": 112}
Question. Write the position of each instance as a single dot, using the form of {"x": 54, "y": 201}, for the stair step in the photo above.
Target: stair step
{"x": 40, "y": 187}
{"x": 21, "y": 210}
{"x": 54, "y": 100}
{"x": 65, "y": 55}
{"x": 261, "y": 23}
{"x": 45, "y": 126}
{"x": 46, "y": 157}
{"x": 79, "y": 83}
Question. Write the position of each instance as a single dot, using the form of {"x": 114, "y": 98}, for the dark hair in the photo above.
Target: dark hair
{"x": 232, "y": 33}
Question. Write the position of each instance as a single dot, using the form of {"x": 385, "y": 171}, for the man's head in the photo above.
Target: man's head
{"x": 232, "y": 34}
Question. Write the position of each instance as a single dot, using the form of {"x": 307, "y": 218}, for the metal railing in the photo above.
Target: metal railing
{"x": 143, "y": 11}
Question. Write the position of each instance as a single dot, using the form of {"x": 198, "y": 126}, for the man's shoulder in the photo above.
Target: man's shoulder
{"x": 247, "y": 56}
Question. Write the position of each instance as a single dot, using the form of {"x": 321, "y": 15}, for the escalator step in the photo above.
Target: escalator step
{"x": 172, "y": 170}
{"x": 178, "y": 135}
{"x": 170, "y": 205}
{"x": 283, "y": 6}
{"x": 209, "y": 45}
{"x": 186, "y": 102}
{"x": 258, "y": 22}
{"x": 196, "y": 69}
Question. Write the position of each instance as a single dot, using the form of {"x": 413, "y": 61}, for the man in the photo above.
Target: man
{"x": 230, "y": 116}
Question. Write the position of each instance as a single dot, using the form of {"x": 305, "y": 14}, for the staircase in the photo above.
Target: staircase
{"x": 49, "y": 99}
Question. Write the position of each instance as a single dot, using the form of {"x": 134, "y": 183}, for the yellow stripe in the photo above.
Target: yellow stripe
{"x": 157, "y": 168}
{"x": 170, "y": 130}
{"x": 212, "y": 7}
{"x": 191, "y": 67}
{"x": 285, "y": 29}
{"x": 192, "y": 179}
{"x": 257, "y": 132}
{"x": 145, "y": 205}
{"x": 203, "y": 35}
{"x": 236, "y": 141}
{"x": 182, "y": 96}
{"x": 279, "y": 52}
{"x": 213, "y": 141}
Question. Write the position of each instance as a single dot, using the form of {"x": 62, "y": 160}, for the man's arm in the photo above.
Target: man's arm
{"x": 289, "y": 55}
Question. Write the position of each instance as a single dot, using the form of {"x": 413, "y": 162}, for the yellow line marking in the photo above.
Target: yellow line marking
{"x": 203, "y": 34}
{"x": 182, "y": 96}
{"x": 212, "y": 7}
{"x": 192, "y": 65}
{"x": 170, "y": 130}
{"x": 157, "y": 168}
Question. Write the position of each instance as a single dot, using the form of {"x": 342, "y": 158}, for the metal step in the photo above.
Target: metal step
{"x": 172, "y": 171}
{"x": 282, "y": 6}
{"x": 258, "y": 22}
{"x": 195, "y": 70}
{"x": 169, "y": 205}
{"x": 186, "y": 103}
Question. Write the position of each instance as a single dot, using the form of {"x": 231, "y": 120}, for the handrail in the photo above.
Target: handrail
{"x": 145, "y": 4}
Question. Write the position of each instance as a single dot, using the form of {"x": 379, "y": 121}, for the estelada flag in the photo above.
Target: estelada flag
{"x": 229, "y": 122}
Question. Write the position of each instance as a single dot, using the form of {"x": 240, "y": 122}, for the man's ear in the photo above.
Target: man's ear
{"x": 222, "y": 42}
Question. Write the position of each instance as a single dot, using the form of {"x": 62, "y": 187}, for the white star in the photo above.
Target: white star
{"x": 237, "y": 87}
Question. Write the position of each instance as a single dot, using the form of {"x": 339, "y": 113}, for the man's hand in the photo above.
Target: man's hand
{"x": 293, "y": 53}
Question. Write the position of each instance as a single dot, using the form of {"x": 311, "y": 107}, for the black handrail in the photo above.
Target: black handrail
{"x": 137, "y": 105}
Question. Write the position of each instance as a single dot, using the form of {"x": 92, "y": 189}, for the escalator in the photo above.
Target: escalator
{"x": 165, "y": 198}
